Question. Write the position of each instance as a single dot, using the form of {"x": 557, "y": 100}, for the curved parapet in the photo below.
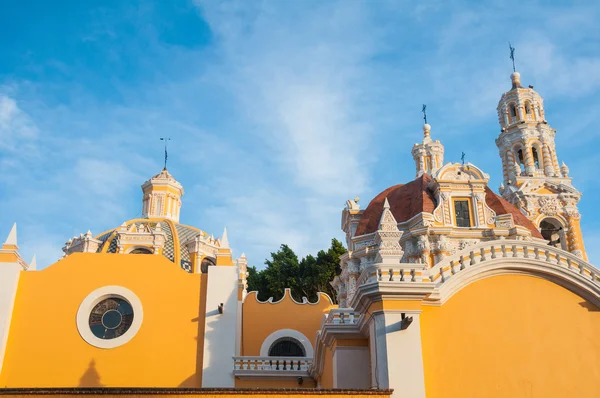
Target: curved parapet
{"x": 514, "y": 257}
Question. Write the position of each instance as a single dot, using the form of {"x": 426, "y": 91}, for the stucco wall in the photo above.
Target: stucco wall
{"x": 44, "y": 346}
{"x": 262, "y": 319}
{"x": 512, "y": 336}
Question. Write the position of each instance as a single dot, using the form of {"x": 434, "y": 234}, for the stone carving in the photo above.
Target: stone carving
{"x": 549, "y": 206}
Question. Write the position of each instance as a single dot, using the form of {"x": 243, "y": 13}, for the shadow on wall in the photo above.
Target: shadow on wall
{"x": 91, "y": 377}
{"x": 589, "y": 306}
{"x": 195, "y": 380}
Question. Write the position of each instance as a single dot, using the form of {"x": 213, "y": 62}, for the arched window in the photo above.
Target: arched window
{"x": 206, "y": 262}
{"x": 553, "y": 232}
{"x": 513, "y": 111}
{"x": 141, "y": 250}
{"x": 528, "y": 108}
{"x": 287, "y": 347}
{"x": 536, "y": 158}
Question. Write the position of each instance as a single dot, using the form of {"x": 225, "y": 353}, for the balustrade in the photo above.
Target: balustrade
{"x": 407, "y": 273}
{"x": 248, "y": 366}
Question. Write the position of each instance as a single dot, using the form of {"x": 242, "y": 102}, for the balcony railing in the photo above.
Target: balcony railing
{"x": 271, "y": 366}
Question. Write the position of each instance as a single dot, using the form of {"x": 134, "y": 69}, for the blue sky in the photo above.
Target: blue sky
{"x": 278, "y": 111}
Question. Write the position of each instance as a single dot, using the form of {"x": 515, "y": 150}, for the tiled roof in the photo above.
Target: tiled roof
{"x": 408, "y": 200}
{"x": 183, "y": 232}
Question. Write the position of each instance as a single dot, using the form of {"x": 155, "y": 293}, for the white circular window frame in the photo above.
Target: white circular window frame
{"x": 86, "y": 306}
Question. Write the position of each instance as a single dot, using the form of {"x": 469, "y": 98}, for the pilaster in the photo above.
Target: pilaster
{"x": 396, "y": 353}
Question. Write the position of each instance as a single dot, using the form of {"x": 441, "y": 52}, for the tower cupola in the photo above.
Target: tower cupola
{"x": 162, "y": 197}
{"x": 520, "y": 105}
{"x": 428, "y": 155}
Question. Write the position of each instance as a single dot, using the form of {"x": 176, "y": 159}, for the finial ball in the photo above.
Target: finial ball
{"x": 426, "y": 127}
{"x": 515, "y": 77}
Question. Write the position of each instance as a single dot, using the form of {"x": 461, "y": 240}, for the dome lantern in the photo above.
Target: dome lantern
{"x": 162, "y": 197}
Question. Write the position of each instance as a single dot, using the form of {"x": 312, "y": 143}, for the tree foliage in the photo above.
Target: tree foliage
{"x": 304, "y": 277}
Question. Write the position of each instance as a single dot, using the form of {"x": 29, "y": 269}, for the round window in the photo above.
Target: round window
{"x": 111, "y": 318}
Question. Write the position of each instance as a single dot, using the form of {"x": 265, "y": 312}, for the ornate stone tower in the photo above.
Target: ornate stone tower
{"x": 428, "y": 155}
{"x": 162, "y": 197}
{"x": 533, "y": 179}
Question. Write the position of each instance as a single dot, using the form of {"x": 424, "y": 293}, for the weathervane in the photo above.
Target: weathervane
{"x": 424, "y": 110}
{"x": 463, "y": 158}
{"x": 512, "y": 55}
{"x": 166, "y": 140}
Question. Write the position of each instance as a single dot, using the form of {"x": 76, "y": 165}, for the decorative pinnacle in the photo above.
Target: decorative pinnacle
{"x": 386, "y": 204}
{"x": 11, "y": 240}
{"x": 224, "y": 240}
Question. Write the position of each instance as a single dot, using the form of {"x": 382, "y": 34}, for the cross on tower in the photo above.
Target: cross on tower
{"x": 512, "y": 55}
{"x": 424, "y": 110}
{"x": 166, "y": 140}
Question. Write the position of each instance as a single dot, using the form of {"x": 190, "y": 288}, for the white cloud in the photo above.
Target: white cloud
{"x": 17, "y": 130}
{"x": 303, "y": 92}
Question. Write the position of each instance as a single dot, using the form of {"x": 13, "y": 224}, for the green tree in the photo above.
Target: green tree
{"x": 305, "y": 278}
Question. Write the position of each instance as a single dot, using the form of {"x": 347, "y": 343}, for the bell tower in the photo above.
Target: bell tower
{"x": 533, "y": 179}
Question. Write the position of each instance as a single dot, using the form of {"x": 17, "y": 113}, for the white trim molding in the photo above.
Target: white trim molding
{"x": 86, "y": 306}
{"x": 283, "y": 333}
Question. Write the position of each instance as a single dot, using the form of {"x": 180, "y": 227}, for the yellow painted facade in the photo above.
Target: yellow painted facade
{"x": 264, "y": 318}
{"x": 45, "y": 350}
{"x": 512, "y": 336}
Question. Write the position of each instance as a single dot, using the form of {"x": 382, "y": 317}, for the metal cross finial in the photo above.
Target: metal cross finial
{"x": 166, "y": 140}
{"x": 512, "y": 55}
{"x": 463, "y": 158}
{"x": 424, "y": 110}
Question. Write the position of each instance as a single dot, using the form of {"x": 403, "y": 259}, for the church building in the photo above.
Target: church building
{"x": 447, "y": 289}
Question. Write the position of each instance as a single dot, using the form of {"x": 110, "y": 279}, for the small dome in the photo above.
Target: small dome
{"x": 408, "y": 200}
{"x": 174, "y": 248}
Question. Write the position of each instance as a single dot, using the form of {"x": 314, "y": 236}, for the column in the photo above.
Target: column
{"x": 220, "y": 330}
{"x": 396, "y": 353}
{"x": 529, "y": 167}
{"x": 353, "y": 275}
{"x": 555, "y": 162}
{"x": 574, "y": 236}
{"x": 548, "y": 168}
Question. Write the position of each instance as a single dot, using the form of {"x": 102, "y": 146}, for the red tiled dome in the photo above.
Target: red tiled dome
{"x": 408, "y": 200}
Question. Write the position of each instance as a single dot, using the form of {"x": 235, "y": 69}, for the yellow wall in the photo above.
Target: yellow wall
{"x": 262, "y": 319}
{"x": 45, "y": 349}
{"x": 512, "y": 336}
{"x": 327, "y": 376}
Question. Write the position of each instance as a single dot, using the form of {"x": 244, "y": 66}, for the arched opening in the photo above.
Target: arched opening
{"x": 206, "y": 262}
{"x": 513, "y": 111}
{"x": 287, "y": 347}
{"x": 552, "y": 230}
{"x": 528, "y": 110}
{"x": 536, "y": 158}
{"x": 141, "y": 250}
{"x": 521, "y": 161}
